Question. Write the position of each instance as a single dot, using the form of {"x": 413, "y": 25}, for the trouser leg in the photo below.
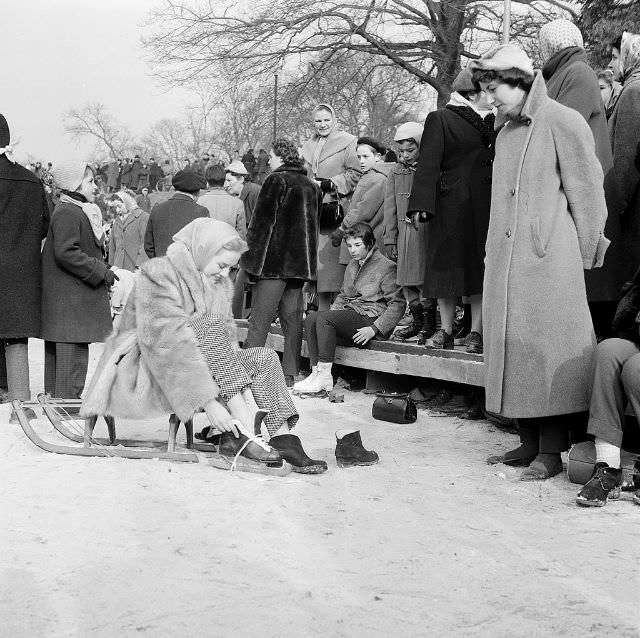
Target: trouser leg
{"x": 312, "y": 337}
{"x": 17, "y": 364}
{"x": 554, "y": 434}
{"x": 608, "y": 397}
{"x": 265, "y": 300}
{"x": 290, "y": 312}
{"x": 631, "y": 383}
{"x": 333, "y": 326}
{"x": 3, "y": 369}
{"x": 66, "y": 367}
{"x": 237, "y": 305}
{"x": 411, "y": 294}
{"x": 268, "y": 387}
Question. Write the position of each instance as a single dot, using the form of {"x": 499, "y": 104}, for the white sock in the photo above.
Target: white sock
{"x": 607, "y": 453}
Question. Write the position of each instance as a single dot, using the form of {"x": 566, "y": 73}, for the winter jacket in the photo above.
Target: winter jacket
{"x": 547, "y": 219}
{"x": 283, "y": 233}
{"x": 24, "y": 220}
{"x": 75, "y": 301}
{"x": 371, "y": 290}
{"x": 126, "y": 244}
{"x": 166, "y": 219}
{"x": 410, "y": 243}
{"x": 225, "y": 208}
{"x": 338, "y": 162}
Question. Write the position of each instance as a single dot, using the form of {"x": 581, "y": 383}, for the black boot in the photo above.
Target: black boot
{"x": 604, "y": 484}
{"x": 429, "y": 319}
{"x": 292, "y": 452}
{"x": 350, "y": 451}
{"x": 255, "y": 449}
{"x": 529, "y": 447}
{"x": 410, "y": 331}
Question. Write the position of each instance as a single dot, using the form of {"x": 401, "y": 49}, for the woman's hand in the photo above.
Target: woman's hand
{"x": 362, "y": 336}
{"x": 220, "y": 418}
{"x": 415, "y": 220}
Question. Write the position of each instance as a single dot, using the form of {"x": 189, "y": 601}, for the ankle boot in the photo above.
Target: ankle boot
{"x": 300, "y": 385}
{"x": 323, "y": 381}
{"x": 528, "y": 449}
{"x": 350, "y": 451}
{"x": 292, "y": 452}
{"x": 415, "y": 326}
{"x": 429, "y": 317}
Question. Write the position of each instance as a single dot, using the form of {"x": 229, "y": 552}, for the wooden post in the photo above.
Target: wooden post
{"x": 506, "y": 22}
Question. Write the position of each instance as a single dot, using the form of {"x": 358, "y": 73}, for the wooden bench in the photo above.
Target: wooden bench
{"x": 392, "y": 357}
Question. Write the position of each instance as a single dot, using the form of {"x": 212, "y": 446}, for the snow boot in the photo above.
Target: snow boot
{"x": 429, "y": 318}
{"x": 604, "y": 484}
{"x": 292, "y": 452}
{"x": 414, "y": 328}
{"x": 350, "y": 451}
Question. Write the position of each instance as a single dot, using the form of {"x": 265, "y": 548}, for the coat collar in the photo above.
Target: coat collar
{"x": 562, "y": 59}
{"x": 535, "y": 101}
{"x": 291, "y": 169}
{"x": 336, "y": 141}
{"x": 182, "y": 196}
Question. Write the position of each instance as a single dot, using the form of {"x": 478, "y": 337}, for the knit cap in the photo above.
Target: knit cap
{"x": 69, "y": 175}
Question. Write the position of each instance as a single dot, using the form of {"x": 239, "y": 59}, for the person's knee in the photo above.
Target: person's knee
{"x": 631, "y": 375}
{"x": 611, "y": 352}
{"x": 310, "y": 320}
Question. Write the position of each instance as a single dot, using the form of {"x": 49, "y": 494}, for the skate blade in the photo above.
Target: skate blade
{"x": 247, "y": 465}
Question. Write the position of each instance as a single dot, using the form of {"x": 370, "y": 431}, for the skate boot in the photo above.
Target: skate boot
{"x": 429, "y": 318}
{"x": 350, "y": 451}
{"x": 603, "y": 485}
{"x": 414, "y": 328}
{"x": 322, "y": 382}
{"x": 291, "y": 450}
{"x": 300, "y": 385}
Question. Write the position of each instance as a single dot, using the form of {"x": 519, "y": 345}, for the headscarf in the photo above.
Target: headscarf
{"x": 321, "y": 139}
{"x": 128, "y": 201}
{"x": 630, "y": 55}
{"x": 557, "y": 35}
{"x": 409, "y": 131}
{"x": 204, "y": 238}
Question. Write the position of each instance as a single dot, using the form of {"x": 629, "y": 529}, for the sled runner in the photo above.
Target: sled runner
{"x": 113, "y": 447}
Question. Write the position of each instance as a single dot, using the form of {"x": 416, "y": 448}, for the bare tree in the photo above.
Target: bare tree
{"x": 94, "y": 121}
{"x": 426, "y": 38}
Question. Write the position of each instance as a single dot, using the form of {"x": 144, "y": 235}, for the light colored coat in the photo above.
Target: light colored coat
{"x": 225, "y": 208}
{"x": 126, "y": 243}
{"x": 151, "y": 364}
{"x": 338, "y": 162}
{"x": 547, "y": 218}
{"x": 410, "y": 243}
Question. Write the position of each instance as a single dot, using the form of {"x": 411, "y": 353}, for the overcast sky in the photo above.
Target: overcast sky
{"x": 61, "y": 54}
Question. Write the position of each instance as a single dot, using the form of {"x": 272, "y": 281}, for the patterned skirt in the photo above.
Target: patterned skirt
{"x": 236, "y": 370}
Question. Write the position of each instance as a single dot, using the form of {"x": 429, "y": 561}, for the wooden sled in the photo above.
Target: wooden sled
{"x": 113, "y": 447}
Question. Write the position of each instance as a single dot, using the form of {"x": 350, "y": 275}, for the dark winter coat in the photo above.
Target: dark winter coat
{"x": 283, "y": 233}
{"x": 624, "y": 179}
{"x": 249, "y": 197}
{"x": 24, "y": 218}
{"x": 75, "y": 301}
{"x": 166, "y": 219}
{"x": 625, "y": 325}
{"x": 136, "y": 168}
{"x": 572, "y": 82}
{"x": 155, "y": 174}
{"x": 452, "y": 185}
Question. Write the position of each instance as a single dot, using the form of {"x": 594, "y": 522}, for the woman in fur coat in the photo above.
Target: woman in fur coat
{"x": 548, "y": 213}
{"x": 175, "y": 350}
{"x": 282, "y": 257}
{"x": 330, "y": 157}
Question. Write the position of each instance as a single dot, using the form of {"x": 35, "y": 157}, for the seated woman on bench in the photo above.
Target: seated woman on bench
{"x": 369, "y": 306}
{"x": 175, "y": 351}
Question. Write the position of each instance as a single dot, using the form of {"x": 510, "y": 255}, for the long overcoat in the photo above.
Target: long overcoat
{"x": 624, "y": 179}
{"x": 283, "y": 233}
{"x": 338, "y": 161}
{"x": 24, "y": 218}
{"x": 453, "y": 185}
{"x": 410, "y": 243}
{"x": 152, "y": 364}
{"x": 126, "y": 245}
{"x": 572, "y": 82}
{"x": 75, "y": 301}
{"x": 367, "y": 205}
{"x": 548, "y": 213}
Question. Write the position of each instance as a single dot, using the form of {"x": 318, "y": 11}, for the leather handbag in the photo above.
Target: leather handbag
{"x": 394, "y": 407}
{"x": 331, "y": 213}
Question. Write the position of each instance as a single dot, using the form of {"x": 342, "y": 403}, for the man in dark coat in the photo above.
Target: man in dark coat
{"x": 249, "y": 161}
{"x": 24, "y": 218}
{"x": 155, "y": 174}
{"x": 167, "y": 218}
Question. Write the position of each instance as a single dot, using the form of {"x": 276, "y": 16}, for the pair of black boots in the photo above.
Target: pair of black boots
{"x": 423, "y": 324}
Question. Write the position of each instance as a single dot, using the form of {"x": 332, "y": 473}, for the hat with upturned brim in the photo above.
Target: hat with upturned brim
{"x": 188, "y": 181}
{"x": 503, "y": 58}
{"x": 464, "y": 82}
{"x": 237, "y": 168}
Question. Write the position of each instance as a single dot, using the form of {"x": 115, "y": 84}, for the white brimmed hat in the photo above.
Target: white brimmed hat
{"x": 236, "y": 167}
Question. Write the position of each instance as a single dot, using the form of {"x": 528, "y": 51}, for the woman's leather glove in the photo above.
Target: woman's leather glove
{"x": 326, "y": 185}
{"x": 337, "y": 236}
{"x": 110, "y": 278}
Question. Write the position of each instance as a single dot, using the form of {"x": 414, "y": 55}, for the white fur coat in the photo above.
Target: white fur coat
{"x": 152, "y": 364}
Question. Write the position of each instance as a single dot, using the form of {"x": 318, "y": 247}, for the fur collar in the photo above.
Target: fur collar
{"x": 483, "y": 125}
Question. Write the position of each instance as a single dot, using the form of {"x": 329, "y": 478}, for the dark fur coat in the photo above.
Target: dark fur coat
{"x": 283, "y": 233}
